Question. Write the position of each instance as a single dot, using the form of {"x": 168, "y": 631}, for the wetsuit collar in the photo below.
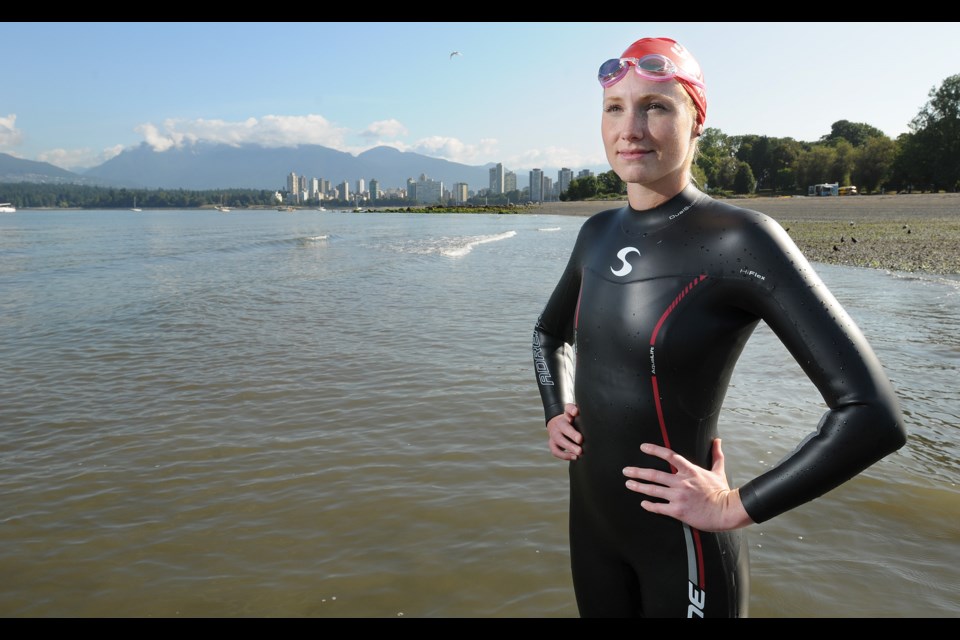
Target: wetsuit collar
{"x": 647, "y": 220}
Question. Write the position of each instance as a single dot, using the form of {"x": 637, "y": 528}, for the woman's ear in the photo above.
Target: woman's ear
{"x": 698, "y": 131}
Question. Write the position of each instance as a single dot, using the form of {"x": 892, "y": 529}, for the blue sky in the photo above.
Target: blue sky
{"x": 521, "y": 93}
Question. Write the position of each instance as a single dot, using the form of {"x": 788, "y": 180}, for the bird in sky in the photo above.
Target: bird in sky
{"x": 455, "y": 53}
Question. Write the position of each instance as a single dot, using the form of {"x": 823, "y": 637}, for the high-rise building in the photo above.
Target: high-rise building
{"x": 536, "y": 185}
{"x": 460, "y": 192}
{"x": 344, "y": 190}
{"x": 564, "y": 176}
{"x": 296, "y": 187}
{"x": 374, "y": 189}
{"x": 428, "y": 190}
{"x": 509, "y": 182}
{"x": 497, "y": 179}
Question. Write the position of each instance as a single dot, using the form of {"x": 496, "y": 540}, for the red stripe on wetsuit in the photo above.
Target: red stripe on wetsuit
{"x": 656, "y": 400}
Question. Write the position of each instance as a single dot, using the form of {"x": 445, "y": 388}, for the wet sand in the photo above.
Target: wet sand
{"x": 915, "y": 232}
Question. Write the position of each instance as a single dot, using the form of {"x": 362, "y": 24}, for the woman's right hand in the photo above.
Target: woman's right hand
{"x": 564, "y": 439}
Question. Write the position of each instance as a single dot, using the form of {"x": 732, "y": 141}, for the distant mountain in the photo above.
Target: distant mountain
{"x": 18, "y": 170}
{"x": 206, "y": 166}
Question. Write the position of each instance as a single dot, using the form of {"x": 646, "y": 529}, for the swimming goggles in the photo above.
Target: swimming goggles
{"x": 654, "y": 66}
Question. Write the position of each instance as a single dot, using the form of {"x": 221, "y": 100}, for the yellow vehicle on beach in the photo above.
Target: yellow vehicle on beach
{"x": 847, "y": 191}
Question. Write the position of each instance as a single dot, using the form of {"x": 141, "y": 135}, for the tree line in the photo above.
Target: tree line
{"x": 927, "y": 158}
{"x": 38, "y": 196}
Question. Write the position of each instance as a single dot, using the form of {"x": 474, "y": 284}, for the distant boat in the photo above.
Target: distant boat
{"x": 6, "y": 207}
{"x": 135, "y": 205}
{"x": 223, "y": 209}
{"x": 285, "y": 209}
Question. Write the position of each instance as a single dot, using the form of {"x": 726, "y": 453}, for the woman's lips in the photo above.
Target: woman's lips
{"x": 633, "y": 154}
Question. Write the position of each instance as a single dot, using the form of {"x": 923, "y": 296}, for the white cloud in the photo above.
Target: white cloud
{"x": 153, "y": 137}
{"x": 72, "y": 159}
{"x": 382, "y": 129}
{"x": 454, "y": 149}
{"x": 289, "y": 131}
{"x": 10, "y": 136}
{"x": 268, "y": 131}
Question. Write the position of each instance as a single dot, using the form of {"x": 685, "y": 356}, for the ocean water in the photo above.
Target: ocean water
{"x": 331, "y": 414}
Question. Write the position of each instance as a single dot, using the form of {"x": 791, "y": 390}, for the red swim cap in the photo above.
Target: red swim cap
{"x": 684, "y": 61}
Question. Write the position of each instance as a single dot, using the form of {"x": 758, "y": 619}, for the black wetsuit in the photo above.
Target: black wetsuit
{"x": 643, "y": 331}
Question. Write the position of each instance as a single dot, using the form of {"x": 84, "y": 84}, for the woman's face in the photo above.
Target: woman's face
{"x": 649, "y": 132}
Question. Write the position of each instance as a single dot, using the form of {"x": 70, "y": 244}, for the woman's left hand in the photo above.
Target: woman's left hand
{"x": 700, "y": 497}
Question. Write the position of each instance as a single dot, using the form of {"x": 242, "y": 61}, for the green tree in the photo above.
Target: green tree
{"x": 783, "y": 155}
{"x": 769, "y": 158}
{"x": 786, "y": 179}
{"x": 609, "y": 183}
{"x": 699, "y": 177}
{"x": 713, "y": 150}
{"x": 755, "y": 151}
{"x": 727, "y": 173}
{"x": 930, "y": 155}
{"x": 815, "y": 166}
{"x": 856, "y": 133}
{"x": 874, "y": 164}
{"x": 743, "y": 181}
{"x": 844, "y": 158}
{"x": 581, "y": 189}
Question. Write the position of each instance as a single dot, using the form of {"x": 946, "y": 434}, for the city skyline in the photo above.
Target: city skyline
{"x": 302, "y": 188}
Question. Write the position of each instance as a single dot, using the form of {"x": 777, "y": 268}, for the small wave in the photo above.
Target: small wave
{"x": 549, "y": 229}
{"x": 311, "y": 241}
{"x": 951, "y": 281}
{"x": 465, "y": 246}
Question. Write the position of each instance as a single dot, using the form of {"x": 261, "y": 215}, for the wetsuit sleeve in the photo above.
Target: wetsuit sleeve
{"x": 553, "y": 338}
{"x": 863, "y": 422}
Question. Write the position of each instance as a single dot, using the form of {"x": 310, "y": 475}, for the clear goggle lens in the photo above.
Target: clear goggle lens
{"x": 654, "y": 67}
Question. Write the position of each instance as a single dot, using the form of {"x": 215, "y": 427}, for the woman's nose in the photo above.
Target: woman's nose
{"x": 633, "y": 127}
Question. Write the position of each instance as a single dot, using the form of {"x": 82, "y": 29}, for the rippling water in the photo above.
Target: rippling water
{"x": 334, "y": 414}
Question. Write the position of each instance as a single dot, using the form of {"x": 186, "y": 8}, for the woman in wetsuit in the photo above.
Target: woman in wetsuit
{"x": 635, "y": 349}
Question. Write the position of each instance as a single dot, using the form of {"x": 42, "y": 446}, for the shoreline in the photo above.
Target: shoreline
{"x": 917, "y": 232}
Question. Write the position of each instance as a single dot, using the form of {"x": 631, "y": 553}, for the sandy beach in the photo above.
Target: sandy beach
{"x": 907, "y": 232}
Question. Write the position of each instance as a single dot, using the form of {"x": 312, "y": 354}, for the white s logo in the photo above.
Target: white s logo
{"x": 627, "y": 267}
